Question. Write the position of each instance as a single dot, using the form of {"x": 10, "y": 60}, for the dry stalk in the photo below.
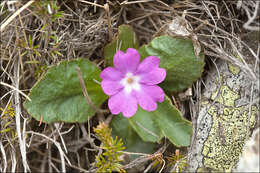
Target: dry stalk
{"x": 15, "y": 89}
{"x": 10, "y": 19}
{"x": 20, "y": 131}
{"x": 4, "y": 158}
{"x": 91, "y": 3}
{"x": 110, "y": 33}
{"x": 62, "y": 154}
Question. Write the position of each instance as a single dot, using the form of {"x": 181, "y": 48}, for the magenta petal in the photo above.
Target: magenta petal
{"x": 148, "y": 64}
{"x": 127, "y": 62}
{"x": 157, "y": 75}
{"x": 121, "y": 102}
{"x": 115, "y": 103}
{"x": 145, "y": 101}
{"x": 111, "y": 73}
{"x": 130, "y": 107}
{"x": 111, "y": 87}
{"x": 154, "y": 91}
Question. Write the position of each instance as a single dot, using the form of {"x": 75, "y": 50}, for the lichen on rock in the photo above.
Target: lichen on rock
{"x": 225, "y": 120}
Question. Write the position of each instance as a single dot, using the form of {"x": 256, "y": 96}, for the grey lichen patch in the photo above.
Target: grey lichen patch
{"x": 226, "y": 96}
{"x": 233, "y": 69}
{"x": 226, "y": 138}
{"x": 224, "y": 120}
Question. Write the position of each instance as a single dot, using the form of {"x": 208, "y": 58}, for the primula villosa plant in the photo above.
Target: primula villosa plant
{"x": 58, "y": 95}
{"x": 130, "y": 83}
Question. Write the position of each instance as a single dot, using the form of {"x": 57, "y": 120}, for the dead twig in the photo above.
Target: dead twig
{"x": 14, "y": 15}
{"x": 145, "y": 157}
{"x": 84, "y": 90}
{"x": 62, "y": 154}
{"x": 58, "y": 161}
{"x": 91, "y": 3}
{"x": 110, "y": 33}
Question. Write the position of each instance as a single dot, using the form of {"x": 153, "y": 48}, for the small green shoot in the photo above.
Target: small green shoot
{"x": 109, "y": 160}
{"x": 178, "y": 160}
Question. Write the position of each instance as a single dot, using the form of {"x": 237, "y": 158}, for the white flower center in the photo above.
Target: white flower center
{"x": 130, "y": 82}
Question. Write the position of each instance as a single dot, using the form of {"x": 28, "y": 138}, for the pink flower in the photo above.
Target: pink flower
{"x": 130, "y": 83}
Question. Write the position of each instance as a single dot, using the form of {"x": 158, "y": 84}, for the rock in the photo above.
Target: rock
{"x": 225, "y": 120}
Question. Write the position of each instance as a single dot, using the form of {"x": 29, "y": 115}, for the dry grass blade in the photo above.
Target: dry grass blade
{"x": 91, "y": 3}
{"x": 18, "y": 113}
{"x": 62, "y": 154}
{"x": 252, "y": 18}
{"x": 15, "y": 89}
{"x": 3, "y": 158}
{"x": 15, "y": 15}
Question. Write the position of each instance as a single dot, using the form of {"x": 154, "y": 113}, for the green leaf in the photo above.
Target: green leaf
{"x": 58, "y": 95}
{"x": 166, "y": 121}
{"x": 126, "y": 39}
{"x": 143, "y": 123}
{"x": 178, "y": 58}
{"x": 133, "y": 143}
{"x": 177, "y": 129}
